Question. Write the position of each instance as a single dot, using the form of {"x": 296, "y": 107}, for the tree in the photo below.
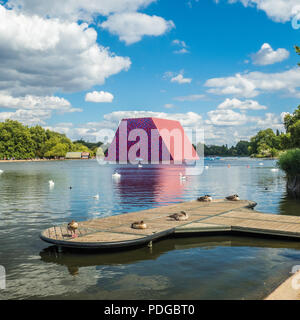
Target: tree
{"x": 242, "y": 148}
{"x": 58, "y": 150}
{"x": 297, "y": 49}
{"x": 265, "y": 143}
{"x": 15, "y": 141}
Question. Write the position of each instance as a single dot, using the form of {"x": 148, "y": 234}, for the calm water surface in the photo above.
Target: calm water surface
{"x": 189, "y": 268}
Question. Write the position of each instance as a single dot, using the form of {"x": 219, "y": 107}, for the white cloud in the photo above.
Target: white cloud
{"x": 182, "y": 46}
{"x": 132, "y": 26}
{"x": 192, "y": 97}
{"x": 226, "y": 118}
{"x": 266, "y": 55}
{"x": 28, "y": 117}
{"x": 75, "y": 10}
{"x": 271, "y": 120}
{"x": 33, "y": 109}
{"x": 254, "y": 83}
{"x": 42, "y": 56}
{"x": 179, "y": 43}
{"x": 189, "y": 119}
{"x": 277, "y": 10}
{"x": 180, "y": 79}
{"x": 99, "y": 96}
{"x": 30, "y": 102}
{"x": 242, "y": 105}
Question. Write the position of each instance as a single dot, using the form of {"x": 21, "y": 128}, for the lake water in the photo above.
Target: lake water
{"x": 186, "y": 268}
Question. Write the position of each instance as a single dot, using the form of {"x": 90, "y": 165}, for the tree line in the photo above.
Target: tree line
{"x": 22, "y": 142}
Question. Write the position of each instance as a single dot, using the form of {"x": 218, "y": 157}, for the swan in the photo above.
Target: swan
{"x": 116, "y": 175}
{"x": 72, "y": 226}
{"x": 96, "y": 196}
{"x": 139, "y": 225}
{"x": 261, "y": 164}
{"x": 51, "y": 183}
{"x": 1, "y": 171}
{"x": 140, "y": 166}
{"x": 179, "y": 216}
{"x": 234, "y": 197}
{"x": 206, "y": 167}
{"x": 275, "y": 170}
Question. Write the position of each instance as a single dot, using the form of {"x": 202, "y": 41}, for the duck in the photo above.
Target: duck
{"x": 234, "y": 197}
{"x": 51, "y": 183}
{"x": 182, "y": 177}
{"x": 72, "y": 226}
{"x": 96, "y": 196}
{"x": 205, "y": 198}
{"x": 139, "y": 225}
{"x": 70, "y": 187}
{"x": 116, "y": 175}
{"x": 179, "y": 216}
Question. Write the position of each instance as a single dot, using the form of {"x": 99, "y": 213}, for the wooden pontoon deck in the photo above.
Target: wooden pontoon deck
{"x": 204, "y": 217}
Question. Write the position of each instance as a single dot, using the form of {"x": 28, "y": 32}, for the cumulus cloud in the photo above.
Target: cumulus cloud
{"x": 43, "y": 56}
{"x": 226, "y": 118}
{"x": 99, "y": 96}
{"x": 266, "y": 55}
{"x": 28, "y": 117}
{"x": 242, "y": 105}
{"x": 277, "y": 10}
{"x": 189, "y": 119}
{"x": 252, "y": 84}
{"x": 33, "y": 109}
{"x": 36, "y": 103}
{"x": 180, "y": 79}
{"x": 132, "y": 26}
{"x": 75, "y": 10}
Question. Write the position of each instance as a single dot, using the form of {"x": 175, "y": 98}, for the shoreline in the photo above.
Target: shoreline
{"x": 285, "y": 290}
{"x": 38, "y": 160}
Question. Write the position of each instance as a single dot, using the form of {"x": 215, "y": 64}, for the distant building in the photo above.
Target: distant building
{"x": 77, "y": 155}
{"x": 85, "y": 155}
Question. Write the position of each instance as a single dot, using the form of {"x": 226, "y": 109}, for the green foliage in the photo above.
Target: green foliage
{"x": 241, "y": 149}
{"x": 289, "y": 161}
{"x": 297, "y": 49}
{"x": 21, "y": 142}
{"x": 265, "y": 144}
{"x": 90, "y": 145}
{"x": 15, "y": 141}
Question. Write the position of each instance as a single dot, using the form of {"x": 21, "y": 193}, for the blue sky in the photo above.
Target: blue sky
{"x": 228, "y": 67}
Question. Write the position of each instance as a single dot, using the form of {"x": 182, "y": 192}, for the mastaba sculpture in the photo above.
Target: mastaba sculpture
{"x": 151, "y": 140}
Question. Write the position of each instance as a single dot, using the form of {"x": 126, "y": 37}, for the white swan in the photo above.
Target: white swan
{"x": 116, "y": 175}
{"x": 140, "y": 166}
{"x": 182, "y": 177}
{"x": 1, "y": 171}
{"x": 96, "y": 196}
{"x": 275, "y": 170}
{"x": 51, "y": 183}
{"x": 206, "y": 167}
{"x": 261, "y": 164}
